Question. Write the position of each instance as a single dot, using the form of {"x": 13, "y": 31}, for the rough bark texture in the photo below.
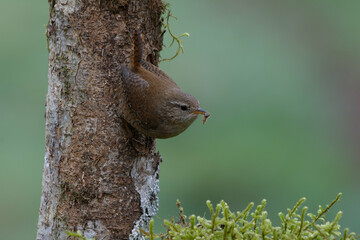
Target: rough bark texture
{"x": 93, "y": 179}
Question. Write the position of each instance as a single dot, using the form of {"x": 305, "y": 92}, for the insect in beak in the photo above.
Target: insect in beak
{"x": 203, "y": 112}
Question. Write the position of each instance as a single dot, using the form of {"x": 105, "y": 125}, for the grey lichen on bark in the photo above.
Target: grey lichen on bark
{"x": 93, "y": 179}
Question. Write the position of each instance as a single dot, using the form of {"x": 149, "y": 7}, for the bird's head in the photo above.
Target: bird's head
{"x": 181, "y": 109}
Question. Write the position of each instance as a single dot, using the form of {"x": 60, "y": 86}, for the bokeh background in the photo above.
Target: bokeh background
{"x": 281, "y": 79}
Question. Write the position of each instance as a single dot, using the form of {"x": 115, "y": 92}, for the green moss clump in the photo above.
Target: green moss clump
{"x": 78, "y": 235}
{"x": 247, "y": 224}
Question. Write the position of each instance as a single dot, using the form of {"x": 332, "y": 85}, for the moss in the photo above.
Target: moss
{"x": 65, "y": 71}
{"x": 77, "y": 235}
{"x": 62, "y": 57}
{"x": 247, "y": 224}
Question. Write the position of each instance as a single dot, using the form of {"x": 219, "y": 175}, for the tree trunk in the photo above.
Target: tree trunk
{"x": 94, "y": 180}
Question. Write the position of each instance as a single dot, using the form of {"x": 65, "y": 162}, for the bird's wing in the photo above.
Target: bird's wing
{"x": 151, "y": 68}
{"x": 135, "y": 88}
{"x": 132, "y": 82}
{"x": 157, "y": 71}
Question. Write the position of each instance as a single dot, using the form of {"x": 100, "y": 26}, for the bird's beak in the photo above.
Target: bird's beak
{"x": 203, "y": 112}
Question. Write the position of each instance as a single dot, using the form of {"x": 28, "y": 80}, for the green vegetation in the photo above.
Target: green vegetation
{"x": 166, "y": 26}
{"x": 78, "y": 235}
{"x": 247, "y": 224}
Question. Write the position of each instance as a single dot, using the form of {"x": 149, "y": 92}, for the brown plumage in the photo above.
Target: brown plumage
{"x": 157, "y": 107}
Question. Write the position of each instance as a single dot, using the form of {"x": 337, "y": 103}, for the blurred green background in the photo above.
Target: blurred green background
{"x": 280, "y": 78}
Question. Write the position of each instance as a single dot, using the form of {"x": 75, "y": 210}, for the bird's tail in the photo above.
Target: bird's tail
{"x": 137, "y": 50}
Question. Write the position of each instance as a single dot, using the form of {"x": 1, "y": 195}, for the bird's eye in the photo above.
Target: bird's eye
{"x": 183, "y": 107}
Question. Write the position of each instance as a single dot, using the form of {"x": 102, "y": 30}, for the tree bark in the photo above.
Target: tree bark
{"x": 94, "y": 180}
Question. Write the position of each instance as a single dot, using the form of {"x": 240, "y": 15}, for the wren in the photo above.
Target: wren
{"x": 156, "y": 106}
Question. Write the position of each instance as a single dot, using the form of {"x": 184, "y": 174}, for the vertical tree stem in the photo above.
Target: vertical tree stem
{"x": 93, "y": 179}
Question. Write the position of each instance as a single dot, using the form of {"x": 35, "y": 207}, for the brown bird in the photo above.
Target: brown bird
{"x": 157, "y": 107}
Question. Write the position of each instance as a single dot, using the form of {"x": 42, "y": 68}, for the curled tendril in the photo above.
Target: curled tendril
{"x": 174, "y": 37}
